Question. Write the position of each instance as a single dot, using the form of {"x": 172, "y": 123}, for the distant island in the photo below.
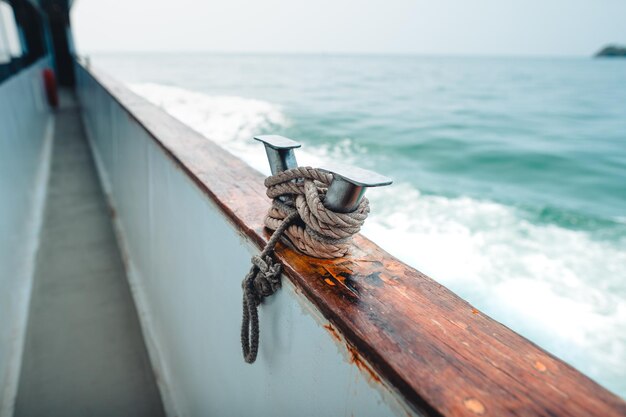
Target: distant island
{"x": 612, "y": 51}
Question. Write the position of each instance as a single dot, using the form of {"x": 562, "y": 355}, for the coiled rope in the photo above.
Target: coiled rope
{"x": 300, "y": 219}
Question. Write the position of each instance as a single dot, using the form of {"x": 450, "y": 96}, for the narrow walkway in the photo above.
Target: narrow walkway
{"x": 84, "y": 353}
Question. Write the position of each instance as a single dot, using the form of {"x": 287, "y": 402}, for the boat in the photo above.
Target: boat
{"x": 124, "y": 239}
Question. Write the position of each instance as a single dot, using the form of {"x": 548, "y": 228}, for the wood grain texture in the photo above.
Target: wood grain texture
{"x": 441, "y": 354}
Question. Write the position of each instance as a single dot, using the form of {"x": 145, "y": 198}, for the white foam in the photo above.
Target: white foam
{"x": 558, "y": 287}
{"x": 227, "y": 120}
{"x": 552, "y": 285}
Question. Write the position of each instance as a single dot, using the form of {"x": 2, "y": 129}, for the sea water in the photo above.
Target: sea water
{"x": 510, "y": 173}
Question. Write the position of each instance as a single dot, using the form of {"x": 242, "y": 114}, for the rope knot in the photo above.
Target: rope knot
{"x": 267, "y": 280}
{"x": 322, "y": 233}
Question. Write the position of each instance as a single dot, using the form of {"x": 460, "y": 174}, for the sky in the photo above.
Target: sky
{"x": 441, "y": 27}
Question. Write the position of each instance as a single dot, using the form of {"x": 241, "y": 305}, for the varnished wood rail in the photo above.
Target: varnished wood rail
{"x": 443, "y": 356}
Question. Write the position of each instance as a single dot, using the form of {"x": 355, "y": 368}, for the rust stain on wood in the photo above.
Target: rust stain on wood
{"x": 540, "y": 366}
{"x": 356, "y": 359}
{"x": 333, "y": 332}
{"x": 383, "y": 308}
{"x": 475, "y": 406}
{"x": 354, "y": 356}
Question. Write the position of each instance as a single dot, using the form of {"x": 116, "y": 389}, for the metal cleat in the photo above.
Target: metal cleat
{"x": 348, "y": 186}
{"x": 280, "y": 152}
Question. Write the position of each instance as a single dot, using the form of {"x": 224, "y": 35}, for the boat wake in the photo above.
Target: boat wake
{"x": 546, "y": 282}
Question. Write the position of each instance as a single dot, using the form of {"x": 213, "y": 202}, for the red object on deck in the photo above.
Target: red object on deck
{"x": 50, "y": 84}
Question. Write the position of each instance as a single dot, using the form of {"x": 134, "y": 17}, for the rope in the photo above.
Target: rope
{"x": 300, "y": 219}
{"x": 262, "y": 281}
{"x": 321, "y": 233}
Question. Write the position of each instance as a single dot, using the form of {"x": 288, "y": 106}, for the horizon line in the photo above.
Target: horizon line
{"x": 338, "y": 53}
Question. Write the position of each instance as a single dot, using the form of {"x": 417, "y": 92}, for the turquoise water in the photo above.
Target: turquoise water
{"x": 510, "y": 173}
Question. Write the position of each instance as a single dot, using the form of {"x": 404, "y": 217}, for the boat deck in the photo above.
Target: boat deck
{"x": 84, "y": 352}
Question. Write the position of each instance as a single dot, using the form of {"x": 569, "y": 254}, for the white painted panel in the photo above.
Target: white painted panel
{"x": 25, "y": 143}
{"x": 186, "y": 262}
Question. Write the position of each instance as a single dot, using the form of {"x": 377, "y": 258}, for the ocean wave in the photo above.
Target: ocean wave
{"x": 544, "y": 281}
{"x": 230, "y": 121}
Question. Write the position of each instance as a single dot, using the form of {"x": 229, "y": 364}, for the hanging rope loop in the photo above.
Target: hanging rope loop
{"x": 300, "y": 219}
{"x": 262, "y": 281}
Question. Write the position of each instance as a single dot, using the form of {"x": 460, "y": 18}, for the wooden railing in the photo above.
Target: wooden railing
{"x": 407, "y": 334}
